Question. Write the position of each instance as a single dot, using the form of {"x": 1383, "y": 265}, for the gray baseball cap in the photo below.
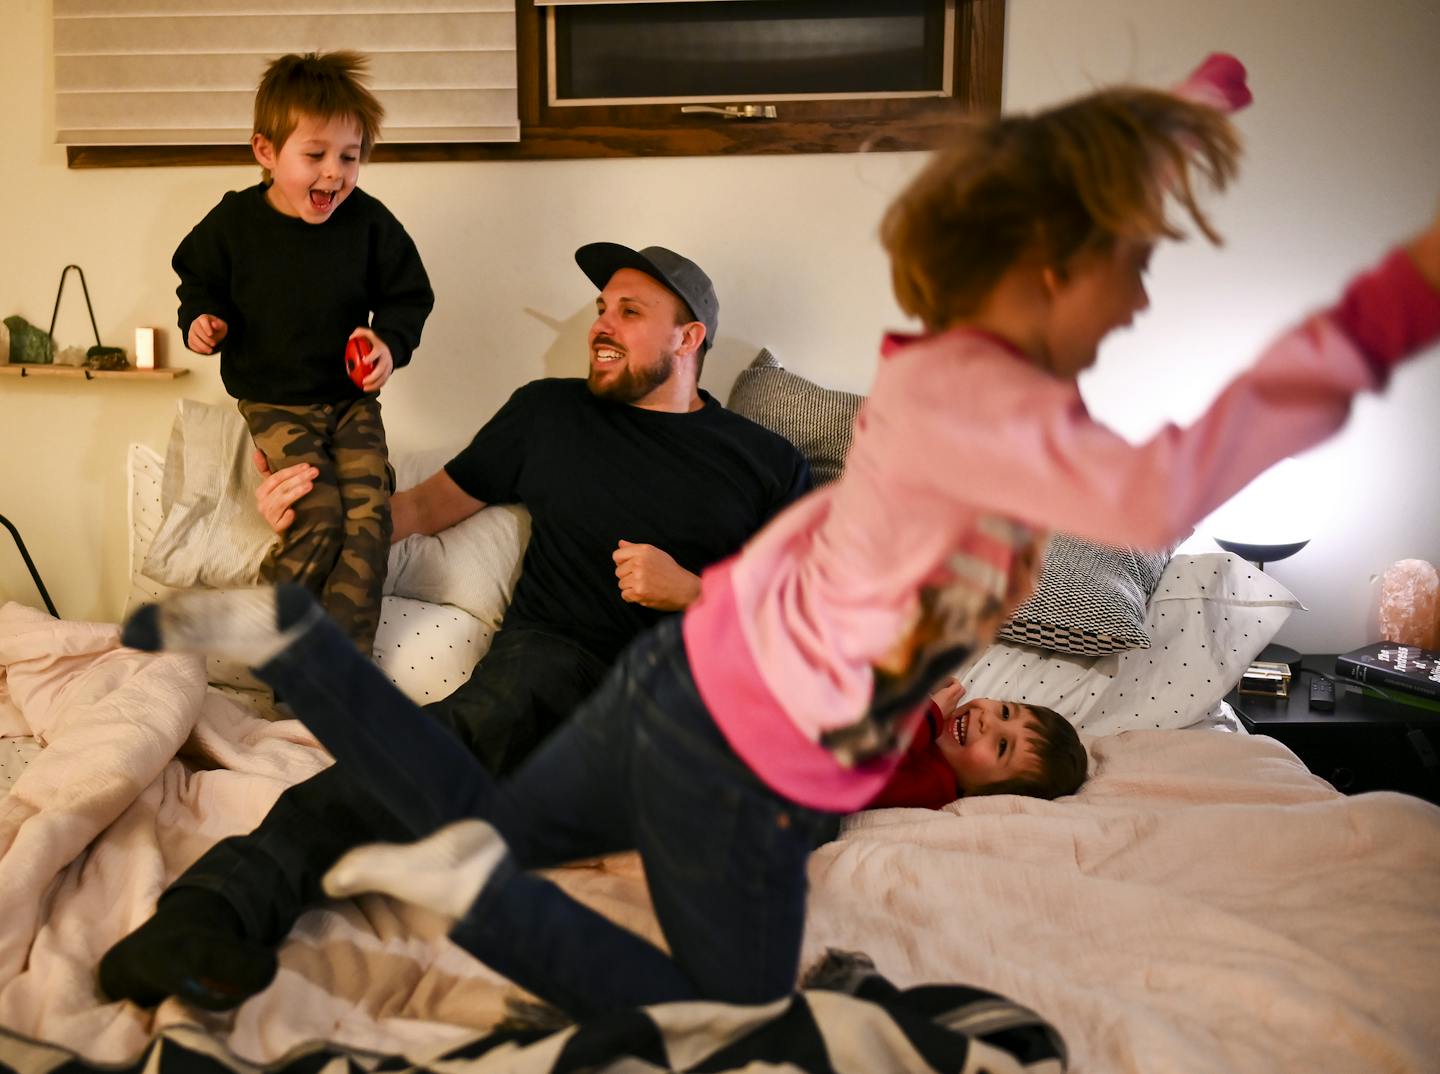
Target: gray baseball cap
{"x": 601, "y": 260}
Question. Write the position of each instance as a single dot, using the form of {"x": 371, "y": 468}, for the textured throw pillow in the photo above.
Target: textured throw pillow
{"x": 818, "y": 421}
{"x": 1090, "y": 599}
{"x": 211, "y": 534}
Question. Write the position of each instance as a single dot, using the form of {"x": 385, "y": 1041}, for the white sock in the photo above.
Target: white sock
{"x": 444, "y": 872}
{"x": 237, "y": 624}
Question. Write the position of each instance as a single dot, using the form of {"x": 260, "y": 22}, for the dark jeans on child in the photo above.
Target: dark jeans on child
{"x": 527, "y": 684}
{"x": 338, "y": 545}
{"x": 641, "y": 765}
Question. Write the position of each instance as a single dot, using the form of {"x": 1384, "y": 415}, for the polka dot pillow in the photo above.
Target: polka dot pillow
{"x": 1209, "y": 616}
{"x": 428, "y": 649}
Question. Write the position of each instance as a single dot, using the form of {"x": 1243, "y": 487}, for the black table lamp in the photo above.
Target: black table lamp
{"x": 1261, "y": 554}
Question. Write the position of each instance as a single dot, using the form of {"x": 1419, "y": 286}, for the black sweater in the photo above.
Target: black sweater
{"x": 291, "y": 293}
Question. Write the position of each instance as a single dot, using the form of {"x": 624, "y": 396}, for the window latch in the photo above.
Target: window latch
{"x": 734, "y": 111}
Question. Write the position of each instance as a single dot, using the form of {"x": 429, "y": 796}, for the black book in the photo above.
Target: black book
{"x": 1390, "y": 665}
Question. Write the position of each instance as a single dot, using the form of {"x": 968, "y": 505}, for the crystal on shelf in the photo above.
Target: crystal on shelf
{"x": 1410, "y": 604}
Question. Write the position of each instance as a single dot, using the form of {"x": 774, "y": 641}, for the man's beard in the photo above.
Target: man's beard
{"x": 630, "y": 385}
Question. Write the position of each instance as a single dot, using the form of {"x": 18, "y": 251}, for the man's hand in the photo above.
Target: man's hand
{"x": 947, "y": 696}
{"x": 651, "y": 578}
{"x": 381, "y": 362}
{"x": 206, "y": 333}
{"x": 281, "y": 489}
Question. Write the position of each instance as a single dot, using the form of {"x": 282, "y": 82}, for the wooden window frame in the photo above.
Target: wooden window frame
{"x": 549, "y": 132}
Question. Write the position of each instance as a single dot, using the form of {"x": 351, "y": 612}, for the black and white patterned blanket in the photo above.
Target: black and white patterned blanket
{"x": 944, "y": 1029}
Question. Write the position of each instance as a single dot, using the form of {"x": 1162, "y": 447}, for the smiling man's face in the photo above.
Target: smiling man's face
{"x": 639, "y": 324}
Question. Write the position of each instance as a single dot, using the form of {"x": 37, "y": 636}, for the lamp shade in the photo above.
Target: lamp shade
{"x": 1261, "y": 553}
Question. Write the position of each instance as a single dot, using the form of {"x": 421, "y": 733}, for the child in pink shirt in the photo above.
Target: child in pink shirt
{"x": 725, "y": 744}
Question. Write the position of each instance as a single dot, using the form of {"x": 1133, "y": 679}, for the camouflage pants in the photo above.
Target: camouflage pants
{"x": 340, "y": 539}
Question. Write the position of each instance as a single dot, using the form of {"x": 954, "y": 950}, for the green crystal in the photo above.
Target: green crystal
{"x": 29, "y": 344}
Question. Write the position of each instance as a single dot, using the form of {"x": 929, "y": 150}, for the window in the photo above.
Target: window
{"x": 841, "y": 75}
{"x": 656, "y": 78}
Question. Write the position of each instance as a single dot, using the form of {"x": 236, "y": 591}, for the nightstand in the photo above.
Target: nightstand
{"x": 1365, "y": 744}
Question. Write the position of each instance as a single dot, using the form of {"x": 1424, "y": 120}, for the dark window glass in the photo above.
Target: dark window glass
{"x": 756, "y": 48}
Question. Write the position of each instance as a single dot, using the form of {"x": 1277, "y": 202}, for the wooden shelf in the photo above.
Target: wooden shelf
{"x": 16, "y": 369}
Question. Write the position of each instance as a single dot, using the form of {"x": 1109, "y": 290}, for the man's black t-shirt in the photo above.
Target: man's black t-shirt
{"x": 593, "y": 473}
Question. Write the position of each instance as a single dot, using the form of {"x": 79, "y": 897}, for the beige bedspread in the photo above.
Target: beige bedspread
{"x": 1203, "y": 905}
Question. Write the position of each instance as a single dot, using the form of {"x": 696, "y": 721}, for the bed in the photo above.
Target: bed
{"x": 1203, "y": 904}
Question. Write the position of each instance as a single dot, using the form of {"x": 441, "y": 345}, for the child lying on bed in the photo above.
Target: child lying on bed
{"x": 984, "y": 746}
{"x": 724, "y": 744}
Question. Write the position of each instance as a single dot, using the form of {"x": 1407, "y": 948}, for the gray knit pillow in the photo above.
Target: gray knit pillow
{"x": 1090, "y": 599}
{"x": 816, "y": 420}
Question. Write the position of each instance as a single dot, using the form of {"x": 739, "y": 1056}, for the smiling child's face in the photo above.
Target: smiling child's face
{"x": 987, "y": 741}
{"x": 315, "y": 169}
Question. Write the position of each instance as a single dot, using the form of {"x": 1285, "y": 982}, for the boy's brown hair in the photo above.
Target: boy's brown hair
{"x": 1060, "y": 759}
{"x": 1049, "y": 186}
{"x": 322, "y": 85}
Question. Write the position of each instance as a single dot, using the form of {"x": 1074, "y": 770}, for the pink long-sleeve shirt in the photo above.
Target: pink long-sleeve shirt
{"x": 965, "y": 455}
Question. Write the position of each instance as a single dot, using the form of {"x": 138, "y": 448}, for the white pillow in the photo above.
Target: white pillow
{"x": 1208, "y": 618}
{"x": 211, "y": 534}
{"x": 473, "y": 565}
{"x": 425, "y": 649}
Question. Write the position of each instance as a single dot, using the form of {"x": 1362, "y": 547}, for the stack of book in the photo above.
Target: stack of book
{"x": 1406, "y": 674}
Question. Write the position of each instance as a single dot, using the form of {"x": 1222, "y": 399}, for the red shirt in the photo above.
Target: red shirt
{"x": 923, "y": 779}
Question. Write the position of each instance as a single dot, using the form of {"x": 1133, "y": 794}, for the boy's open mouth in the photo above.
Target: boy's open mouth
{"x": 321, "y": 200}
{"x": 961, "y": 727}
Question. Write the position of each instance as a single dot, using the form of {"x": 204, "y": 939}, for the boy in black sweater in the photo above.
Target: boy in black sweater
{"x": 278, "y": 278}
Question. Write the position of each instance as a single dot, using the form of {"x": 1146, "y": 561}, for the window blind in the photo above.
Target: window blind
{"x": 184, "y": 72}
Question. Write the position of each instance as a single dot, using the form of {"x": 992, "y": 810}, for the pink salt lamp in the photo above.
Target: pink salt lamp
{"x": 1410, "y": 604}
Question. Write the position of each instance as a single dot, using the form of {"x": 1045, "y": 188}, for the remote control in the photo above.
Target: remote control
{"x": 1322, "y": 694}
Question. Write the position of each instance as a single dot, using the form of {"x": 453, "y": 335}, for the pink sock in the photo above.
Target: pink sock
{"x": 1219, "y": 82}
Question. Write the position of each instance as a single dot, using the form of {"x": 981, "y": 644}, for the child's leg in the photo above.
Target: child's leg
{"x": 641, "y": 764}
{"x": 307, "y": 551}
{"x": 724, "y": 857}
{"x": 352, "y": 592}
{"x": 389, "y": 746}
{"x": 411, "y": 764}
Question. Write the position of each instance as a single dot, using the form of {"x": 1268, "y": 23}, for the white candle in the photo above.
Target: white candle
{"x": 144, "y": 348}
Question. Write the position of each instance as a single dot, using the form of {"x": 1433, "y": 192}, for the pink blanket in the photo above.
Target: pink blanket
{"x": 143, "y": 769}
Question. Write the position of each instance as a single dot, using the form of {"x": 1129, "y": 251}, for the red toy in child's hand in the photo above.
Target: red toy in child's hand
{"x": 357, "y": 360}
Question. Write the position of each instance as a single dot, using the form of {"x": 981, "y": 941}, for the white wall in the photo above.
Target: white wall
{"x": 1342, "y": 160}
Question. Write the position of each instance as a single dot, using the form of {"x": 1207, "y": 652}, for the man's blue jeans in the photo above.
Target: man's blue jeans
{"x": 641, "y": 765}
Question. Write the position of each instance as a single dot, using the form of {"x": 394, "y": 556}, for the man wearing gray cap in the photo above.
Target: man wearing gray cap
{"x": 635, "y": 479}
